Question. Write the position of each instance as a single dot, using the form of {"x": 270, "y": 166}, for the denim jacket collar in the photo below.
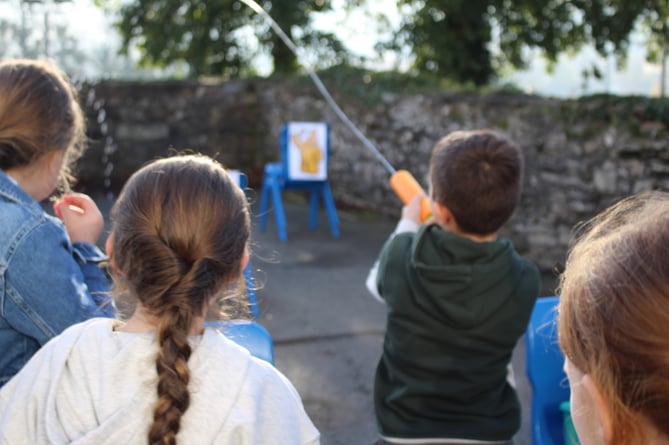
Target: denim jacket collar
{"x": 38, "y": 300}
{"x": 10, "y": 190}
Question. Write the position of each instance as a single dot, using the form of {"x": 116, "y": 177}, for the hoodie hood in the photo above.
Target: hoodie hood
{"x": 463, "y": 281}
{"x": 102, "y": 386}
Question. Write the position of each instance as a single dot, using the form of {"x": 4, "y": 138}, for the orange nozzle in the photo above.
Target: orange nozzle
{"x": 406, "y": 187}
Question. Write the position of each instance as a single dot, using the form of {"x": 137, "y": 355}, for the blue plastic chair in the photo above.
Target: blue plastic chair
{"x": 277, "y": 177}
{"x": 247, "y": 333}
{"x": 242, "y": 181}
{"x": 544, "y": 366}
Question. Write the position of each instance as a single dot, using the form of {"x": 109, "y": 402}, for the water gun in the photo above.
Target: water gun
{"x": 406, "y": 187}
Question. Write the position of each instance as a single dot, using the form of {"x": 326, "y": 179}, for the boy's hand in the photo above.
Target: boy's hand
{"x": 81, "y": 216}
{"x": 411, "y": 211}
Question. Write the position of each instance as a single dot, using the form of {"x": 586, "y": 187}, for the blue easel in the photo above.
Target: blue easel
{"x": 279, "y": 176}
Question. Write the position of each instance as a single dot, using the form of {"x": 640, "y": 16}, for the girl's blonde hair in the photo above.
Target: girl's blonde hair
{"x": 179, "y": 233}
{"x": 613, "y": 320}
{"x": 39, "y": 113}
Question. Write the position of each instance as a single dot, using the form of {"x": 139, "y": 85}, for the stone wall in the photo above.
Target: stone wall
{"x": 581, "y": 155}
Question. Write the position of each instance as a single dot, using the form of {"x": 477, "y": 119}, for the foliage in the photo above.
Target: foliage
{"x": 468, "y": 42}
{"x": 197, "y": 33}
{"x": 656, "y": 20}
{"x": 291, "y": 14}
{"x": 369, "y": 87}
{"x": 448, "y": 38}
{"x": 453, "y": 37}
{"x": 212, "y": 36}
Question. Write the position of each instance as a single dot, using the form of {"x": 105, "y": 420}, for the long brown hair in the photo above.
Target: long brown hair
{"x": 613, "y": 321}
{"x": 179, "y": 231}
{"x": 39, "y": 113}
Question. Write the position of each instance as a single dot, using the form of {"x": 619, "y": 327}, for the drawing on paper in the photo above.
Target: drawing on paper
{"x": 308, "y": 150}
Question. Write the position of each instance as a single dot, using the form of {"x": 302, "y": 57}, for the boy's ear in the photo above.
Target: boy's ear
{"x": 442, "y": 214}
{"x": 602, "y": 411}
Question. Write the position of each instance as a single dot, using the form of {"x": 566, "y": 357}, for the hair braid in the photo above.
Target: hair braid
{"x": 173, "y": 375}
{"x": 177, "y": 255}
{"x": 185, "y": 298}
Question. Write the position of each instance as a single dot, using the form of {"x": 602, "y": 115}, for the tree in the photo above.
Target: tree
{"x": 447, "y": 37}
{"x": 201, "y": 34}
{"x": 453, "y": 38}
{"x": 293, "y": 15}
{"x": 211, "y": 36}
{"x": 656, "y": 21}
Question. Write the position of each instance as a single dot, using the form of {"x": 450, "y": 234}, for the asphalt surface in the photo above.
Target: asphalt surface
{"x": 327, "y": 330}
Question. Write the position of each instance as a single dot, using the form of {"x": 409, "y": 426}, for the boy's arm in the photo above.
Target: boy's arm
{"x": 404, "y": 225}
{"x": 410, "y": 222}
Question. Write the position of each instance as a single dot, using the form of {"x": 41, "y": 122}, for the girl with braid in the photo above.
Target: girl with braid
{"x": 178, "y": 246}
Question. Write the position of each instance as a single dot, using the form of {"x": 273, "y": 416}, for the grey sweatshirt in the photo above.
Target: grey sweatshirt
{"x": 93, "y": 385}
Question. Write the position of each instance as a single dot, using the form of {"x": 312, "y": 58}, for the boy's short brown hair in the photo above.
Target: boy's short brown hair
{"x": 478, "y": 175}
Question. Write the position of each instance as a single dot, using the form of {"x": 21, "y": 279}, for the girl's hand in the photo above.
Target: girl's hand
{"x": 81, "y": 216}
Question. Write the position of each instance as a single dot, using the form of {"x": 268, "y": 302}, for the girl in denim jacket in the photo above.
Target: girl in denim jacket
{"x": 50, "y": 277}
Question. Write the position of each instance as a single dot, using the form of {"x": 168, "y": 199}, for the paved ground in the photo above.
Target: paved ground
{"x": 327, "y": 330}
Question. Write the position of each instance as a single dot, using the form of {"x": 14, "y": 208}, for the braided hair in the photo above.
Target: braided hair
{"x": 179, "y": 232}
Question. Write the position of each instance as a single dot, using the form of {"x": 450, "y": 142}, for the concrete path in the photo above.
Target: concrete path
{"x": 327, "y": 330}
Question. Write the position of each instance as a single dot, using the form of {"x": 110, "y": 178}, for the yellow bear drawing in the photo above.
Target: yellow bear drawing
{"x": 310, "y": 152}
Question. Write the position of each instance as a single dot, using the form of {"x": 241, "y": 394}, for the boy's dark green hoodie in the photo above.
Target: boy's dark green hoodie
{"x": 456, "y": 309}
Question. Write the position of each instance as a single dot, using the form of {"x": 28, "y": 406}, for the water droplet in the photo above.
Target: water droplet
{"x": 90, "y": 97}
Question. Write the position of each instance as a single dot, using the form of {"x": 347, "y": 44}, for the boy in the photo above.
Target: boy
{"x": 458, "y": 299}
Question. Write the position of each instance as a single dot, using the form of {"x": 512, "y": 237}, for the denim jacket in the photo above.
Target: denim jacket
{"x": 47, "y": 283}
